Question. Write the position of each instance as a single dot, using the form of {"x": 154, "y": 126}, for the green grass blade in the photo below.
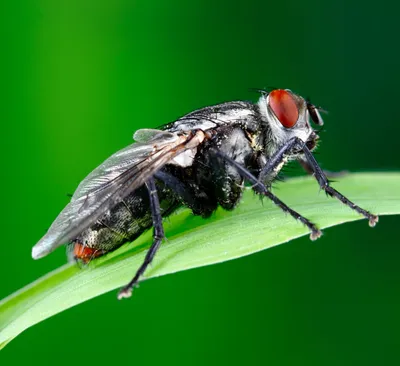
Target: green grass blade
{"x": 194, "y": 242}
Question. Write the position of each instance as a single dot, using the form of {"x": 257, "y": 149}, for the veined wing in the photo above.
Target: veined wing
{"x": 123, "y": 172}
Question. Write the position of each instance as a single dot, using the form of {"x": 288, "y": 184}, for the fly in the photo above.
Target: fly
{"x": 201, "y": 161}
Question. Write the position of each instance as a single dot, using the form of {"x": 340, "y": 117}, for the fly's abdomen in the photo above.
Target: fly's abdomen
{"x": 124, "y": 222}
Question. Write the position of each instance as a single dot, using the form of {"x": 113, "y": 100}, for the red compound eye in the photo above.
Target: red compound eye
{"x": 284, "y": 107}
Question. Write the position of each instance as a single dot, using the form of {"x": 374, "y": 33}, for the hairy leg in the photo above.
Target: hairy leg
{"x": 158, "y": 236}
{"x": 324, "y": 184}
{"x": 262, "y": 189}
{"x": 312, "y": 166}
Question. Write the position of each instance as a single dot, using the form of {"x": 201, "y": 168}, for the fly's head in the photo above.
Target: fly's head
{"x": 288, "y": 115}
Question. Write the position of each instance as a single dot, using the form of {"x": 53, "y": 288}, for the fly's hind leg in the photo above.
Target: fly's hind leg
{"x": 158, "y": 236}
{"x": 262, "y": 189}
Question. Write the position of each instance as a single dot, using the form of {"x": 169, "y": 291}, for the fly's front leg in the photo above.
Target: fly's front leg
{"x": 262, "y": 189}
{"x": 278, "y": 158}
{"x": 158, "y": 236}
{"x": 324, "y": 184}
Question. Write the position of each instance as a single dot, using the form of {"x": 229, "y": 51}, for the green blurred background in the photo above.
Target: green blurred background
{"x": 79, "y": 77}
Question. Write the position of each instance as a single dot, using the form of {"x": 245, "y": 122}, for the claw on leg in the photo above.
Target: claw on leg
{"x": 315, "y": 235}
{"x": 373, "y": 220}
{"x": 125, "y": 293}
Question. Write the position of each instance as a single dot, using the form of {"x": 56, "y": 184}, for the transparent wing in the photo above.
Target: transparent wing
{"x": 149, "y": 134}
{"x": 123, "y": 172}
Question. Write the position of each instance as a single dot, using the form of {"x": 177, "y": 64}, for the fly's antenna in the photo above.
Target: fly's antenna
{"x": 317, "y": 107}
{"x": 315, "y": 112}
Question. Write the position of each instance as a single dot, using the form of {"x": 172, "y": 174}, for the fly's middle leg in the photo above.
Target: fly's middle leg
{"x": 262, "y": 189}
{"x": 158, "y": 236}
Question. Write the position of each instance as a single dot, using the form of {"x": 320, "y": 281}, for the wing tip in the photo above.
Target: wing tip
{"x": 45, "y": 246}
{"x": 38, "y": 252}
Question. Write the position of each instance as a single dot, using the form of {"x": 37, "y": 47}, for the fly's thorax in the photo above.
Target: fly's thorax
{"x": 218, "y": 179}
{"x": 230, "y": 113}
{"x": 219, "y": 120}
{"x": 284, "y": 115}
{"x": 235, "y": 144}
